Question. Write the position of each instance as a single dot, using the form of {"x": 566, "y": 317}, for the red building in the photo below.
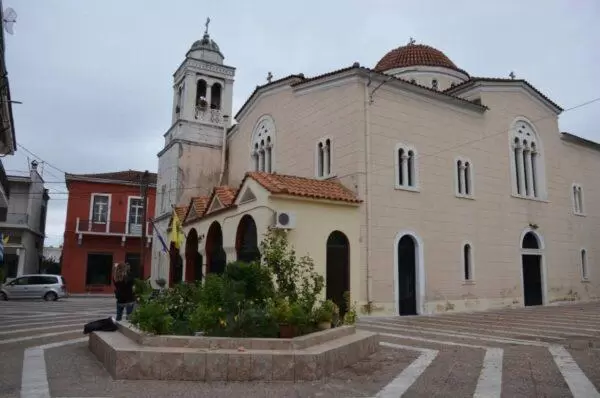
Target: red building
{"x": 104, "y": 225}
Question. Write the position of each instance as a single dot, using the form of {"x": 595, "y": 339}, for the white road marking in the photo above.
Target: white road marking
{"x": 473, "y": 336}
{"x": 39, "y": 336}
{"x": 34, "y": 380}
{"x": 410, "y": 374}
{"x": 489, "y": 384}
{"x": 579, "y": 384}
{"x": 40, "y": 328}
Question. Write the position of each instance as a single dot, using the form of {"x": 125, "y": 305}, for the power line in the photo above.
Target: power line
{"x": 40, "y": 158}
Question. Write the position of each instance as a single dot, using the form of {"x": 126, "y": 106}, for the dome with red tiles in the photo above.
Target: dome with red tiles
{"x": 415, "y": 55}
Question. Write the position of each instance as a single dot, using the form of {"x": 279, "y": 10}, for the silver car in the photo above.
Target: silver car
{"x": 46, "y": 286}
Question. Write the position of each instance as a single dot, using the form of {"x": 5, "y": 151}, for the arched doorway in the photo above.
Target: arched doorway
{"x": 175, "y": 265}
{"x": 531, "y": 262}
{"x": 337, "y": 271}
{"x": 193, "y": 259}
{"x": 246, "y": 240}
{"x": 215, "y": 254}
{"x": 407, "y": 263}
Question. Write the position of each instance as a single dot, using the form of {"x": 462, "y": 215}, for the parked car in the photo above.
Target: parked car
{"x": 46, "y": 286}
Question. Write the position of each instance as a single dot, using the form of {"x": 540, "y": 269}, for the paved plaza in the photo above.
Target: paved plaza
{"x": 533, "y": 352}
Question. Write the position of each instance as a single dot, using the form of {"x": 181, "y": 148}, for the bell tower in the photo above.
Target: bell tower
{"x": 189, "y": 164}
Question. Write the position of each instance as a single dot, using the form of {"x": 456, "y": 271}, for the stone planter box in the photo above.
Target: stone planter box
{"x": 131, "y": 354}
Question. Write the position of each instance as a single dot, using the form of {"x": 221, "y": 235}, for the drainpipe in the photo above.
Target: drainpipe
{"x": 367, "y": 190}
{"x": 223, "y": 149}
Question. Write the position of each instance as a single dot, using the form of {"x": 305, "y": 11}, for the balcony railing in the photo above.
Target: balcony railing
{"x": 111, "y": 228}
{"x": 206, "y": 114}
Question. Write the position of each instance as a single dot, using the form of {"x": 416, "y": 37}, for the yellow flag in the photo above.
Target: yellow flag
{"x": 176, "y": 231}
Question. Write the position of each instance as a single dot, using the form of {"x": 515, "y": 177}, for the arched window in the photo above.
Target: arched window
{"x": 406, "y": 167}
{"x": 527, "y": 161}
{"x": 584, "y": 269}
{"x": 530, "y": 241}
{"x": 201, "y": 94}
{"x": 467, "y": 263}
{"x": 434, "y": 84}
{"x": 179, "y": 102}
{"x": 323, "y": 169}
{"x": 463, "y": 177}
{"x": 263, "y": 144}
{"x": 215, "y": 96}
{"x": 577, "y": 198}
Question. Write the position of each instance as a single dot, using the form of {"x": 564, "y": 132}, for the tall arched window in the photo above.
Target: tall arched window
{"x": 467, "y": 263}
{"x": 201, "y": 94}
{"x": 323, "y": 158}
{"x": 406, "y": 167}
{"x": 215, "y": 96}
{"x": 179, "y": 102}
{"x": 527, "y": 162}
{"x": 584, "y": 268}
{"x": 577, "y": 198}
{"x": 262, "y": 152}
{"x": 463, "y": 178}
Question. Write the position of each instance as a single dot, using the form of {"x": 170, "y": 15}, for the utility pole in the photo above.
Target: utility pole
{"x": 144, "y": 195}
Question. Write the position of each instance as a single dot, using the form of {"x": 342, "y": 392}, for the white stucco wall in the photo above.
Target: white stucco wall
{"x": 315, "y": 221}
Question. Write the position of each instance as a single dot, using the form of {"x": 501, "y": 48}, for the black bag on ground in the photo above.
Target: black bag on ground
{"x": 101, "y": 325}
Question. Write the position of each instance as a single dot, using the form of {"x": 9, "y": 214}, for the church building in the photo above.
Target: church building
{"x": 412, "y": 184}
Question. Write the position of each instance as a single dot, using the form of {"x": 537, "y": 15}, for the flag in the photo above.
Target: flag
{"x": 160, "y": 238}
{"x": 177, "y": 235}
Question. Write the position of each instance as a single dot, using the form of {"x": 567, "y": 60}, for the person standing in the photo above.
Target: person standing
{"x": 123, "y": 282}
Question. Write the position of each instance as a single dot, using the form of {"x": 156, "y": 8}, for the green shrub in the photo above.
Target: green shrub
{"x": 249, "y": 281}
{"x": 142, "y": 290}
{"x": 153, "y": 317}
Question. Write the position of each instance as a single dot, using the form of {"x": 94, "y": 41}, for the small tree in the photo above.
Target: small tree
{"x": 50, "y": 266}
{"x": 296, "y": 278}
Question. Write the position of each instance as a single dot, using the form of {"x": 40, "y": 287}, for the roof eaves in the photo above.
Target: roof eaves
{"x": 478, "y": 80}
{"x": 579, "y": 140}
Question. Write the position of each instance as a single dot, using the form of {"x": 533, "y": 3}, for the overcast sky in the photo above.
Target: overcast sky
{"x": 95, "y": 76}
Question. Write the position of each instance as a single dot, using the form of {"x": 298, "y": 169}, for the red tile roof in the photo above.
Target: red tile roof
{"x": 225, "y": 194}
{"x": 199, "y": 205}
{"x": 415, "y": 55}
{"x": 122, "y": 176}
{"x": 280, "y": 184}
{"x": 181, "y": 211}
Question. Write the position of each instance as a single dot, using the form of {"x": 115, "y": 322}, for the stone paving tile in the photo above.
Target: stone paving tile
{"x": 453, "y": 373}
{"x": 589, "y": 363}
{"x": 531, "y": 373}
{"x": 11, "y": 364}
{"x": 74, "y": 372}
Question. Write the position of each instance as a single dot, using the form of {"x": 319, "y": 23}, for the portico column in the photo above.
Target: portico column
{"x": 231, "y": 254}
{"x": 21, "y": 264}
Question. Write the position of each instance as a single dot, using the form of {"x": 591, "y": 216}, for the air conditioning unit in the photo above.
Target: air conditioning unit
{"x": 285, "y": 220}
